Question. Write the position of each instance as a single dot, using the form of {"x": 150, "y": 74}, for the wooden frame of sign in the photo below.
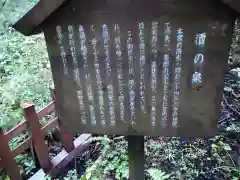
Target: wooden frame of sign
{"x": 135, "y": 68}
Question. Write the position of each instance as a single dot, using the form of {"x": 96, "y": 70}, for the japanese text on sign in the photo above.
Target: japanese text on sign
{"x": 154, "y": 72}
{"x": 142, "y": 63}
{"x": 109, "y": 73}
{"x": 99, "y": 81}
{"x": 117, "y": 42}
{"x": 82, "y": 37}
{"x": 198, "y": 59}
{"x": 76, "y": 73}
{"x": 62, "y": 51}
{"x": 178, "y": 67}
{"x": 167, "y": 33}
{"x": 131, "y": 83}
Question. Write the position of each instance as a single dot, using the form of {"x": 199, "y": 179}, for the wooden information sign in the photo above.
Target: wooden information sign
{"x": 149, "y": 67}
{"x": 136, "y": 67}
{"x": 139, "y": 67}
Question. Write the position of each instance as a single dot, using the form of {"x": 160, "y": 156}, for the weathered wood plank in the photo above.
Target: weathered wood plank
{"x": 64, "y": 158}
{"x": 37, "y": 135}
{"x": 136, "y": 157}
{"x": 7, "y": 158}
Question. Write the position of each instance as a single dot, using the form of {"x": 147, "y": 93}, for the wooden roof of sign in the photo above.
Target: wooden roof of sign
{"x": 35, "y": 17}
{"x": 29, "y": 24}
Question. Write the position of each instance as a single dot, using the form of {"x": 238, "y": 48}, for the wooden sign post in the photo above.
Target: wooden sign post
{"x": 136, "y": 68}
{"x": 136, "y": 157}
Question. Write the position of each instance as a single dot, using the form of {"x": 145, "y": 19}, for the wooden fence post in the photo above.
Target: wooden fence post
{"x": 37, "y": 136}
{"x": 8, "y": 159}
{"x": 66, "y": 138}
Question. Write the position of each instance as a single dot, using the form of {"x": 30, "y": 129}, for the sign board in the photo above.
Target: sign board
{"x": 139, "y": 67}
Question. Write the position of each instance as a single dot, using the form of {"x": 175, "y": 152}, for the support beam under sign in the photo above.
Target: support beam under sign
{"x": 136, "y": 157}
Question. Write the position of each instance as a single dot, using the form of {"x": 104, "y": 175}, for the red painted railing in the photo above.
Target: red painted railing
{"x": 36, "y": 140}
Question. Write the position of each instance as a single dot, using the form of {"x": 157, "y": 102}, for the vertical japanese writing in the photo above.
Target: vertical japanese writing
{"x": 117, "y": 42}
{"x": 198, "y": 59}
{"x": 154, "y": 71}
{"x": 62, "y": 51}
{"x": 177, "y": 81}
{"x": 109, "y": 73}
{"x": 131, "y": 82}
{"x": 81, "y": 105}
{"x": 142, "y": 63}
{"x": 82, "y": 37}
{"x": 76, "y": 73}
{"x": 167, "y": 33}
{"x": 200, "y": 39}
{"x": 99, "y": 79}
{"x": 73, "y": 53}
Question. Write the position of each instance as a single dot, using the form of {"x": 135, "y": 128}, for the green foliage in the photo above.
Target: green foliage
{"x": 24, "y": 67}
{"x": 47, "y": 177}
{"x": 72, "y": 175}
{"x": 26, "y": 163}
{"x": 113, "y": 160}
{"x": 223, "y": 154}
{"x": 92, "y": 173}
{"x": 192, "y": 161}
{"x": 157, "y": 174}
{"x": 17, "y": 140}
{"x": 11, "y": 10}
{"x": 166, "y": 160}
{"x": 25, "y": 75}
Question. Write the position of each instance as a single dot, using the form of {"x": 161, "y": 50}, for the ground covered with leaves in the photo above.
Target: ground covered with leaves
{"x": 216, "y": 158}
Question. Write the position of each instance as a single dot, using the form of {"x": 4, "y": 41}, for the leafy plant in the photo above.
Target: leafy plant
{"x": 17, "y": 140}
{"x": 157, "y": 174}
{"x": 25, "y": 75}
{"x": 222, "y": 153}
{"x": 113, "y": 160}
{"x": 72, "y": 175}
{"x": 92, "y": 173}
{"x": 27, "y": 164}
